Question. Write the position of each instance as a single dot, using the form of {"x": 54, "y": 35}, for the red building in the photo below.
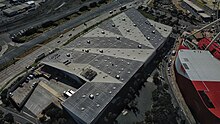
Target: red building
{"x": 198, "y": 77}
{"x": 214, "y": 48}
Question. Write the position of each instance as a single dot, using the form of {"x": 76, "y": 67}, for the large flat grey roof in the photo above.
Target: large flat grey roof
{"x": 116, "y": 49}
{"x": 202, "y": 66}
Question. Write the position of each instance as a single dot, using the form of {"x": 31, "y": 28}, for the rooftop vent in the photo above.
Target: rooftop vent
{"x": 148, "y": 38}
{"x": 139, "y": 46}
{"x": 82, "y": 109}
{"x": 89, "y": 74}
{"x": 118, "y": 38}
{"x": 91, "y": 96}
{"x": 117, "y": 76}
{"x": 67, "y": 62}
{"x": 86, "y": 50}
{"x": 88, "y": 41}
{"x": 103, "y": 32}
{"x": 123, "y": 19}
{"x": 113, "y": 25}
{"x": 83, "y": 96}
{"x": 153, "y": 31}
{"x": 101, "y": 50}
{"x": 68, "y": 54}
{"x": 97, "y": 105}
{"x": 135, "y": 25}
{"x": 97, "y": 94}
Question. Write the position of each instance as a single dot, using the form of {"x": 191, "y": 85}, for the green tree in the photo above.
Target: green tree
{"x": 62, "y": 121}
{"x": 92, "y": 5}
{"x": 84, "y": 8}
{"x": 9, "y": 118}
{"x": 166, "y": 86}
{"x": 156, "y": 79}
{"x": 1, "y": 114}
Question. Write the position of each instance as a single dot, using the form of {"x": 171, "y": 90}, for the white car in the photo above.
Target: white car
{"x": 124, "y": 112}
{"x": 61, "y": 35}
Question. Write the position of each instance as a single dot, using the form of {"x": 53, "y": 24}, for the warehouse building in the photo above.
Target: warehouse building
{"x": 107, "y": 63}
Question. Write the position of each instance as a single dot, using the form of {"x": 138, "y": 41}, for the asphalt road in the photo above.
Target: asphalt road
{"x": 43, "y": 17}
{"x": 23, "y": 19}
{"x": 44, "y": 12}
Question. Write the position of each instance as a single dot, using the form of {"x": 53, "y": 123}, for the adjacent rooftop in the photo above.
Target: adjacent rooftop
{"x": 203, "y": 70}
{"x": 200, "y": 65}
